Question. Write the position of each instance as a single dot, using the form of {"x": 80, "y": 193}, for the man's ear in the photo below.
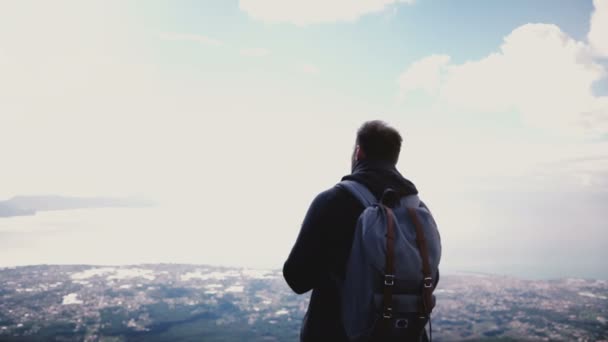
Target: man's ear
{"x": 359, "y": 154}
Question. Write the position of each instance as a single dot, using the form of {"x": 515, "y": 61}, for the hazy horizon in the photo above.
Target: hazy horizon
{"x": 132, "y": 236}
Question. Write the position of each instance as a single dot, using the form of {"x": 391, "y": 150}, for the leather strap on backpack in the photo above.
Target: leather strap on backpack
{"x": 427, "y": 283}
{"x": 389, "y": 273}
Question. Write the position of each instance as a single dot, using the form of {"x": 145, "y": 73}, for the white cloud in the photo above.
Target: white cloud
{"x": 308, "y": 68}
{"x": 254, "y": 52}
{"x": 190, "y": 38}
{"x": 304, "y": 12}
{"x": 539, "y": 72}
{"x": 424, "y": 74}
{"x": 598, "y": 32}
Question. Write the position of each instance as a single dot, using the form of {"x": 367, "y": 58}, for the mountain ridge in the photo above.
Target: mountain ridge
{"x": 25, "y": 205}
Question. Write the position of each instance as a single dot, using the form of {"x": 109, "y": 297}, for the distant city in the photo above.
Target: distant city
{"x": 172, "y": 302}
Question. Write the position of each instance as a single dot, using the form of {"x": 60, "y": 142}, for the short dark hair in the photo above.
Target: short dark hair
{"x": 379, "y": 141}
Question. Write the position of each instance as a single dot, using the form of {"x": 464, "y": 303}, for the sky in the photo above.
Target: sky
{"x": 233, "y": 115}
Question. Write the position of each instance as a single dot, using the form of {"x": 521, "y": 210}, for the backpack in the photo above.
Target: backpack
{"x": 387, "y": 290}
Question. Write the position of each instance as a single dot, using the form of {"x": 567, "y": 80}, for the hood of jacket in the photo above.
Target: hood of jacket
{"x": 378, "y": 176}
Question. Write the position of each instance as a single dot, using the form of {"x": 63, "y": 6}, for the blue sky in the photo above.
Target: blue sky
{"x": 361, "y": 57}
{"x": 179, "y": 101}
{"x": 364, "y": 52}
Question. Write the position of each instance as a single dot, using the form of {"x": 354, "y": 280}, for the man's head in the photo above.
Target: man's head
{"x": 376, "y": 140}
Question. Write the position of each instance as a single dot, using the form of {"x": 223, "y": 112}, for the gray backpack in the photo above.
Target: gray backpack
{"x": 392, "y": 269}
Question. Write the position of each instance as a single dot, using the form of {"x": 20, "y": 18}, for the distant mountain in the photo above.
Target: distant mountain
{"x": 8, "y": 209}
{"x": 29, "y": 205}
{"x": 169, "y": 302}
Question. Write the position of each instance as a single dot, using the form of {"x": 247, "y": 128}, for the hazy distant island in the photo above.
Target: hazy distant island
{"x": 29, "y": 205}
{"x": 172, "y": 302}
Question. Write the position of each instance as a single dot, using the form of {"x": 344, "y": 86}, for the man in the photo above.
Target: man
{"x": 324, "y": 242}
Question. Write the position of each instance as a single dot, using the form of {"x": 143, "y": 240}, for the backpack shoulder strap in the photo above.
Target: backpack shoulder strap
{"x": 427, "y": 283}
{"x": 360, "y": 191}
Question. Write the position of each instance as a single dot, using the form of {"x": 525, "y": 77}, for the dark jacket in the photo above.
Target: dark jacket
{"x": 323, "y": 245}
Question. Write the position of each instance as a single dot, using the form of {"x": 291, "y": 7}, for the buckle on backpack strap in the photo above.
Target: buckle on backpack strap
{"x": 389, "y": 279}
{"x": 388, "y": 313}
{"x": 428, "y": 282}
